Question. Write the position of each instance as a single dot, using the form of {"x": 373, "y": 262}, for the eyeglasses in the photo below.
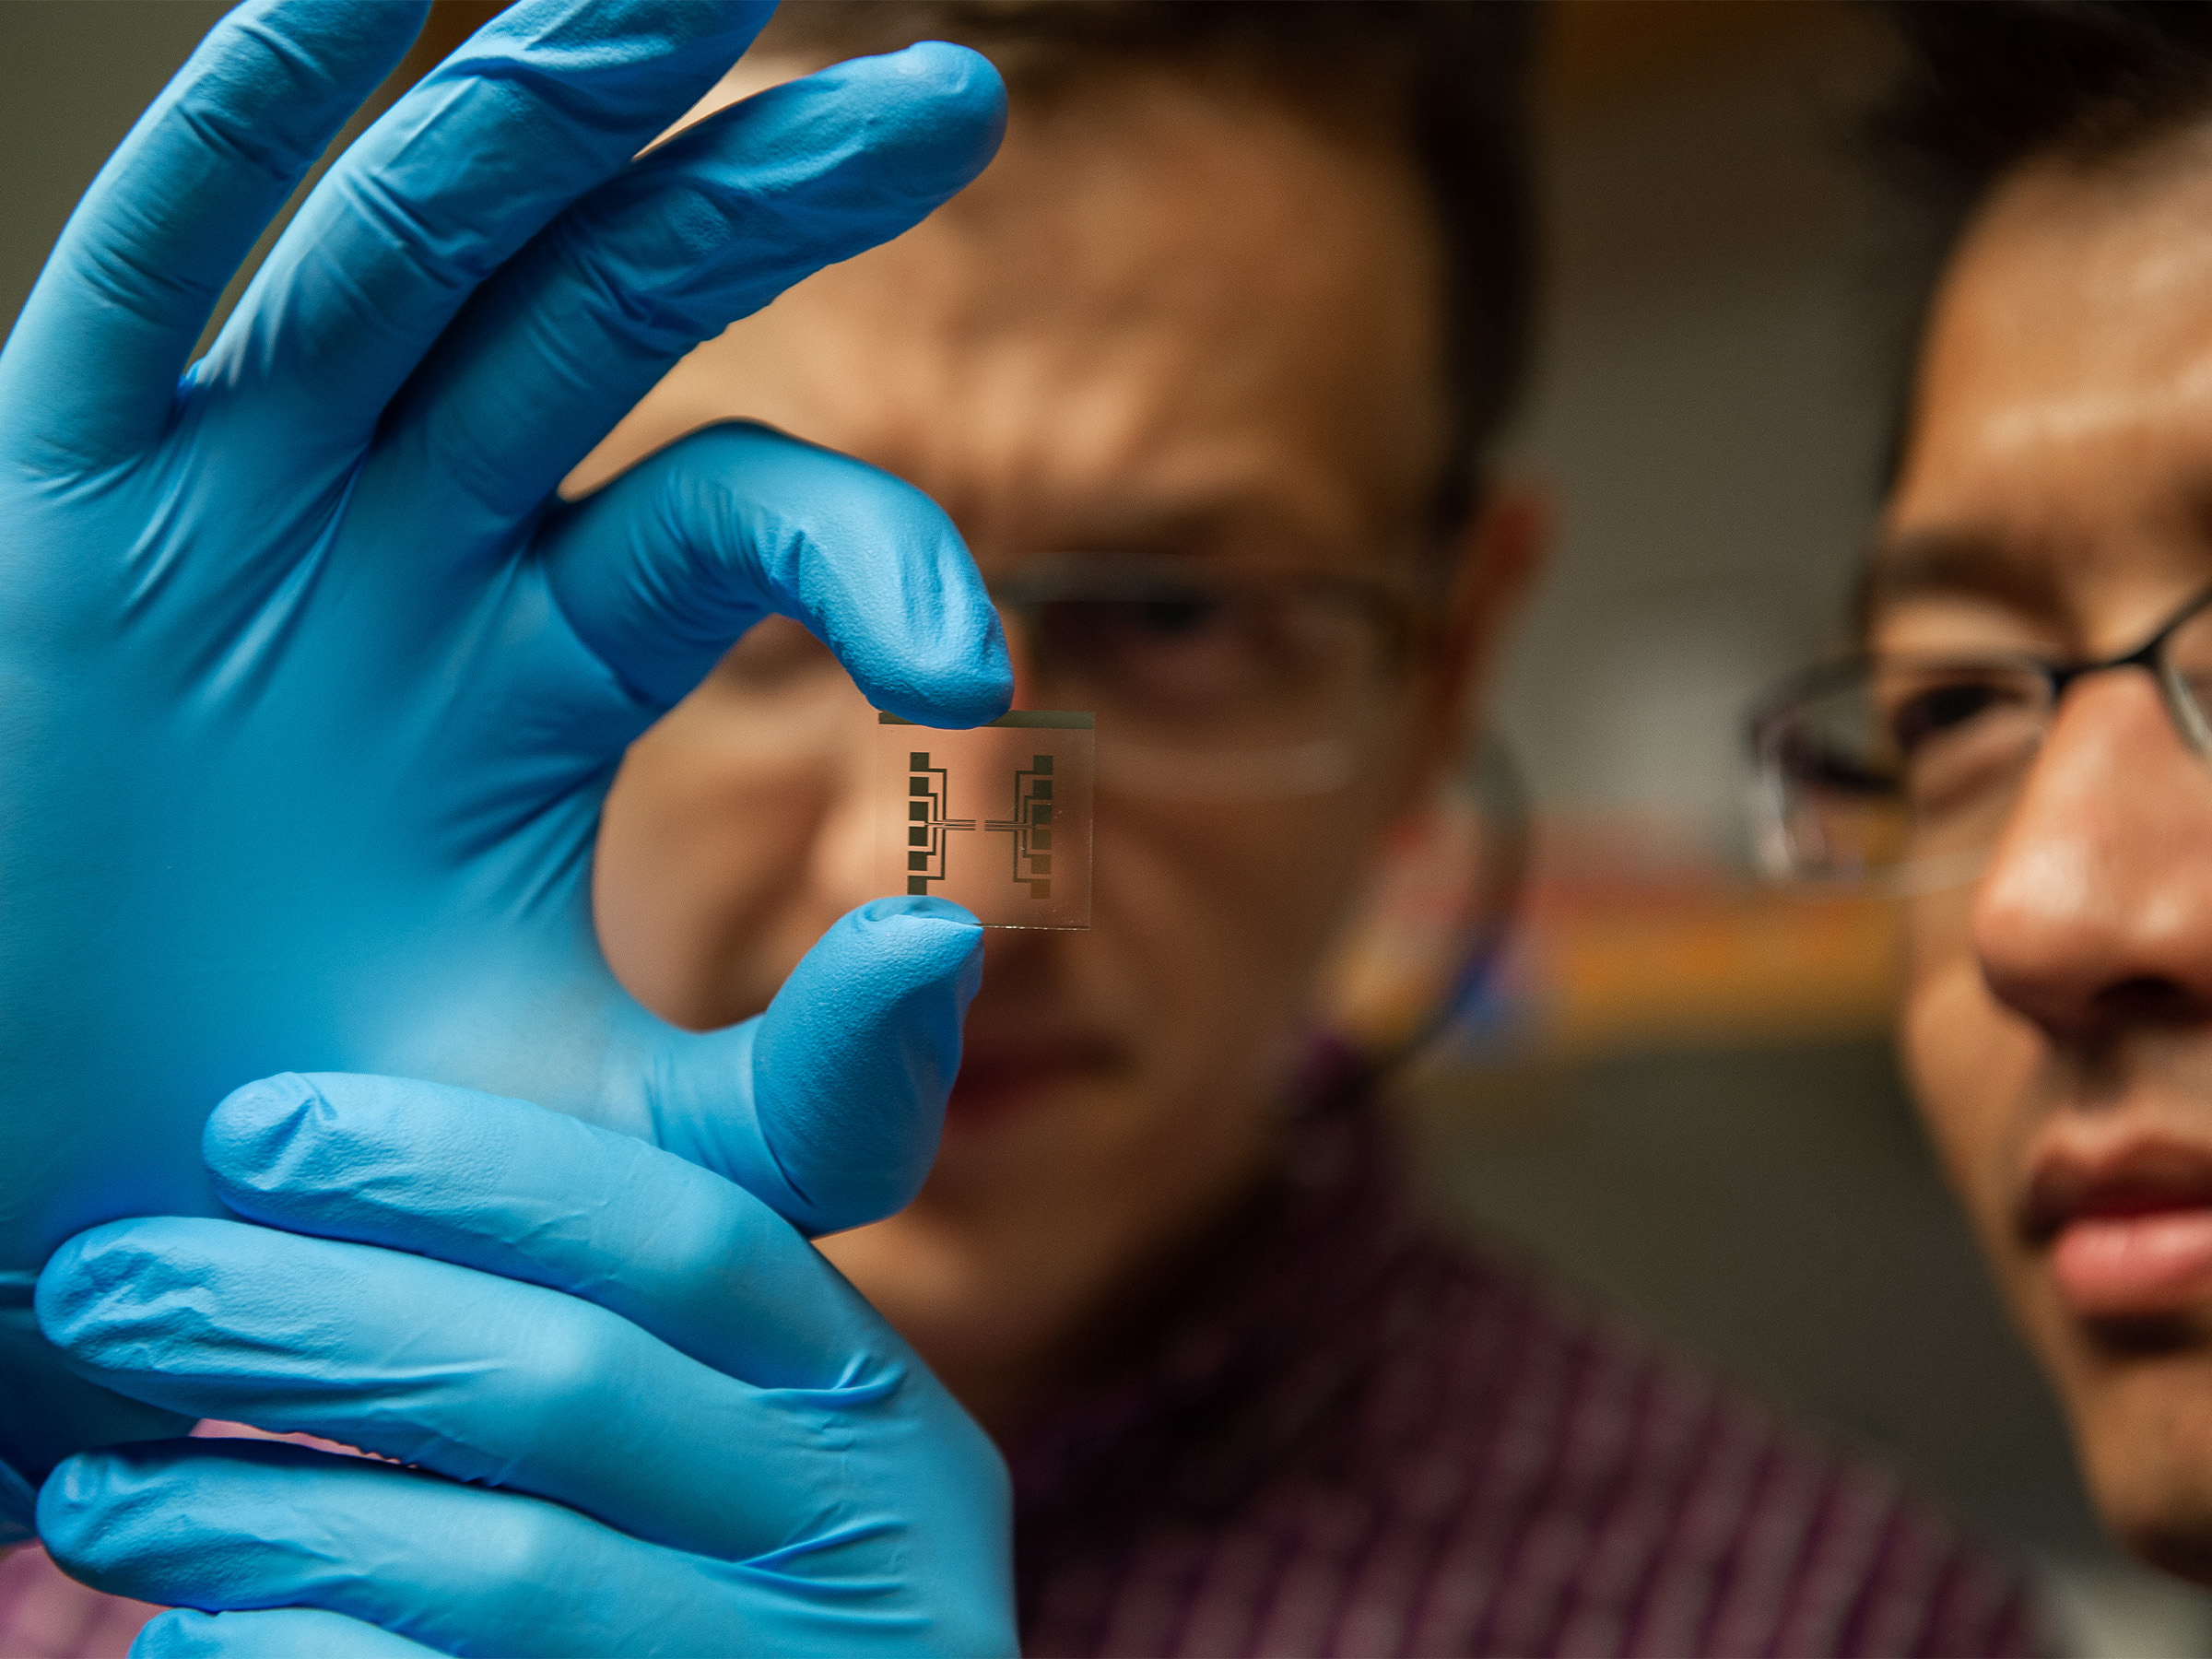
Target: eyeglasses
{"x": 1211, "y": 683}
{"x": 1899, "y": 772}
{"x": 1214, "y": 683}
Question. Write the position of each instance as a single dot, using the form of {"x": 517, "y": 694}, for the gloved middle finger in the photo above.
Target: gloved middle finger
{"x": 471, "y": 1376}
{"x": 708, "y": 228}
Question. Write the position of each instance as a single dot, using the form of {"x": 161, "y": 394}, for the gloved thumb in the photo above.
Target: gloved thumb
{"x": 827, "y": 1107}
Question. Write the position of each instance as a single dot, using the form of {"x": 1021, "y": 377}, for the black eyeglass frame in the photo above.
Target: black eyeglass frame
{"x": 2149, "y": 656}
{"x": 1774, "y": 711}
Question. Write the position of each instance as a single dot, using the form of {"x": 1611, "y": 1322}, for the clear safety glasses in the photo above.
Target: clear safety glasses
{"x": 1208, "y": 683}
{"x": 1897, "y": 772}
{"x": 1212, "y": 684}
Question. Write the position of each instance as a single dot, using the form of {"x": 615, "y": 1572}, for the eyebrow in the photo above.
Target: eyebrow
{"x": 1938, "y": 563}
{"x": 1179, "y": 528}
{"x": 1210, "y": 526}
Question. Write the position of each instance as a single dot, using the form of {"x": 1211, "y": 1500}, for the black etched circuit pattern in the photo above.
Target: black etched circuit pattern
{"x": 928, "y": 828}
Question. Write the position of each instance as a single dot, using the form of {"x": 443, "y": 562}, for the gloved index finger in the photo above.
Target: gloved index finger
{"x": 707, "y": 227}
{"x": 658, "y": 573}
{"x": 515, "y": 1190}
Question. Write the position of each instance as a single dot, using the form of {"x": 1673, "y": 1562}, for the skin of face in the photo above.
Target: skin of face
{"x": 1163, "y": 320}
{"x": 2057, "y": 496}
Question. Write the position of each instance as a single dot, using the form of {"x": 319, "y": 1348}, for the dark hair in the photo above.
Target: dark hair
{"x": 1446, "y": 80}
{"x": 1988, "y": 88}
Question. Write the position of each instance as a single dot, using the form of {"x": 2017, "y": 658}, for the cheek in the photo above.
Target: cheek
{"x": 708, "y": 849}
{"x": 1230, "y": 909}
{"x": 1968, "y": 1063}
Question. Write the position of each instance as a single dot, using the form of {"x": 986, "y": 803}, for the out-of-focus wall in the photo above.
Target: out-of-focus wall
{"x": 1709, "y": 417}
{"x": 73, "y": 77}
{"x": 1709, "y": 410}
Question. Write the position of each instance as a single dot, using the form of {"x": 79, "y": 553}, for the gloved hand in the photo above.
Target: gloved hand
{"x": 310, "y": 689}
{"x": 726, "y": 1451}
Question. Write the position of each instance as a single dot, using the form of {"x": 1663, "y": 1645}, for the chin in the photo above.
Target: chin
{"x": 2170, "y": 1526}
{"x": 2142, "y": 1412}
{"x": 2176, "y": 1544}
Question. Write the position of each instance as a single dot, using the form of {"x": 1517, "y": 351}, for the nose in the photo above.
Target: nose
{"x": 2096, "y": 910}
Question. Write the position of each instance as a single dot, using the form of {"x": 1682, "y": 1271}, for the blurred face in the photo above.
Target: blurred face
{"x": 2057, "y": 499}
{"x": 1199, "y": 333}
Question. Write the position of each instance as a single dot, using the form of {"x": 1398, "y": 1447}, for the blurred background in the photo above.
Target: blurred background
{"x": 1686, "y": 1098}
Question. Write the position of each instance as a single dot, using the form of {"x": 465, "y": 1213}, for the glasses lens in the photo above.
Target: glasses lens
{"x": 1901, "y": 769}
{"x": 2187, "y": 665}
{"x": 1243, "y": 687}
{"x": 1234, "y": 666}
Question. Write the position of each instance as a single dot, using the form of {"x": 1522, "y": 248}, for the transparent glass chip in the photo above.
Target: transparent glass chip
{"x": 996, "y": 818}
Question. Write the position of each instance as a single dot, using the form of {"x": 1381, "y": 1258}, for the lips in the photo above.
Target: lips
{"x": 2128, "y": 1227}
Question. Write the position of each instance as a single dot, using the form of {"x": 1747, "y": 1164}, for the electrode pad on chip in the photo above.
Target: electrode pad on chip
{"x": 996, "y": 818}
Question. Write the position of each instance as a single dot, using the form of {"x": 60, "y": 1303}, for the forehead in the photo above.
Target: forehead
{"x": 1199, "y": 312}
{"x": 2061, "y": 428}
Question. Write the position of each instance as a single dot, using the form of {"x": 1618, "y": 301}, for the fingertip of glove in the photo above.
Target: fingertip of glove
{"x": 107, "y": 1288}
{"x": 73, "y": 1510}
{"x": 74, "y": 1279}
{"x": 954, "y": 75}
{"x": 896, "y": 912}
{"x": 250, "y": 1124}
{"x": 939, "y": 943}
{"x": 184, "y": 1633}
{"x": 887, "y": 956}
{"x": 954, "y": 695}
{"x": 935, "y": 934}
{"x": 932, "y": 115}
{"x": 180, "y": 1634}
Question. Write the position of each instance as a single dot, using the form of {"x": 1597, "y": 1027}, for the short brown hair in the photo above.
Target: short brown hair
{"x": 1989, "y": 88}
{"x": 1445, "y": 79}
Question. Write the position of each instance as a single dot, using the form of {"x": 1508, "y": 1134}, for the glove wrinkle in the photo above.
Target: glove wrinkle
{"x": 704, "y": 229}
{"x": 562, "y": 1582}
{"x": 806, "y": 1514}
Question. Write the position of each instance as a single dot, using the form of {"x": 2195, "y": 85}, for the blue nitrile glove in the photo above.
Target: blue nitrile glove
{"x": 727, "y": 1451}
{"x": 308, "y": 689}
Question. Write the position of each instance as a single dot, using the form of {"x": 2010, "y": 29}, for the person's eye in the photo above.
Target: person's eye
{"x": 1177, "y": 655}
{"x": 1932, "y": 712}
{"x": 1175, "y": 619}
{"x": 1153, "y": 630}
{"x": 1960, "y": 736}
